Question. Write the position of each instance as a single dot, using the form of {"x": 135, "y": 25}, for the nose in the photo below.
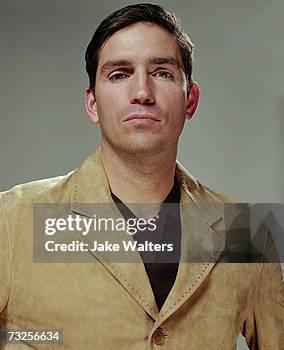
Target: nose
{"x": 141, "y": 90}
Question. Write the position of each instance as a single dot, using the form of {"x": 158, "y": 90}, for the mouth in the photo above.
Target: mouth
{"x": 142, "y": 118}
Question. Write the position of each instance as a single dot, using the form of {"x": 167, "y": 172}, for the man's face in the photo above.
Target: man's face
{"x": 140, "y": 93}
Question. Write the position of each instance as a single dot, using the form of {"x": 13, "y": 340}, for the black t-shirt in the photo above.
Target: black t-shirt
{"x": 161, "y": 266}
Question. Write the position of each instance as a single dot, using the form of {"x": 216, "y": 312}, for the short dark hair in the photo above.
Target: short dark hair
{"x": 131, "y": 14}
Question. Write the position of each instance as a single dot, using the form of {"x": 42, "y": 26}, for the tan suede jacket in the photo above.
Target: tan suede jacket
{"x": 104, "y": 306}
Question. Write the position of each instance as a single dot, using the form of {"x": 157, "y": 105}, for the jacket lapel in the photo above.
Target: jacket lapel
{"x": 91, "y": 196}
{"x": 202, "y": 241}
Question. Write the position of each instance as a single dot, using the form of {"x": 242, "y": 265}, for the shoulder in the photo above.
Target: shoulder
{"x": 196, "y": 188}
{"x": 55, "y": 189}
{"x": 216, "y": 196}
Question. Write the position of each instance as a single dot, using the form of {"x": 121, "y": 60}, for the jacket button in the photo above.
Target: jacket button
{"x": 158, "y": 336}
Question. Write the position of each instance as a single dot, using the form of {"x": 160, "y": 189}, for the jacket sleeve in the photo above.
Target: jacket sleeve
{"x": 5, "y": 260}
{"x": 264, "y": 326}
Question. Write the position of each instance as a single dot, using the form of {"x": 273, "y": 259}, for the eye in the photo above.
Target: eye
{"x": 117, "y": 76}
{"x": 163, "y": 74}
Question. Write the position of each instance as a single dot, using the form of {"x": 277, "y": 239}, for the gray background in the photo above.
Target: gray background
{"x": 235, "y": 142}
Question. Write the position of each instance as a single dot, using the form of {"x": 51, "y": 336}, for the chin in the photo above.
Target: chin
{"x": 136, "y": 148}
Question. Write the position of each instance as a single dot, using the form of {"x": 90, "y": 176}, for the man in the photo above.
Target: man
{"x": 141, "y": 92}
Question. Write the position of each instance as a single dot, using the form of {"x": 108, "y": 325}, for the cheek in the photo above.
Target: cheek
{"x": 172, "y": 96}
{"x": 105, "y": 103}
{"x": 175, "y": 107}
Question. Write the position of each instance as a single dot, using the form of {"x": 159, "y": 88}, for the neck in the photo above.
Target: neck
{"x": 139, "y": 178}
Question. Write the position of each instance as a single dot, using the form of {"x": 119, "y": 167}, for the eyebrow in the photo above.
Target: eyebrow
{"x": 152, "y": 60}
{"x": 165, "y": 60}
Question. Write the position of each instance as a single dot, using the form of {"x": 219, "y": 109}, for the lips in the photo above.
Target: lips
{"x": 142, "y": 117}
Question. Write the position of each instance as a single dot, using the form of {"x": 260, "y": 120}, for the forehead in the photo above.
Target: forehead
{"x": 138, "y": 42}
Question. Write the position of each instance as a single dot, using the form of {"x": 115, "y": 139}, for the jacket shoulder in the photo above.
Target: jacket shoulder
{"x": 202, "y": 192}
{"x": 217, "y": 197}
{"x": 54, "y": 189}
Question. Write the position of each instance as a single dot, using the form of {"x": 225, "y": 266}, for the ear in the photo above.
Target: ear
{"x": 192, "y": 101}
{"x": 91, "y": 106}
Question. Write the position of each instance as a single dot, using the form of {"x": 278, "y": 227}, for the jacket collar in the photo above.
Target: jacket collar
{"x": 91, "y": 186}
{"x": 198, "y": 216}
